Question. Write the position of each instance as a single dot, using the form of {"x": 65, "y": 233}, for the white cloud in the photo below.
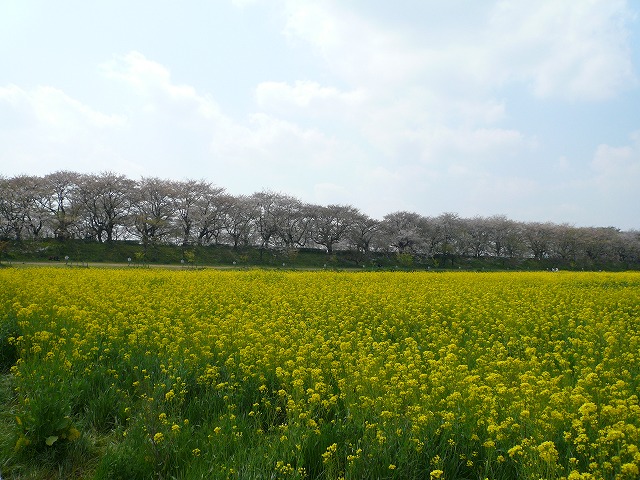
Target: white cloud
{"x": 357, "y": 50}
{"x": 50, "y": 108}
{"x": 617, "y": 168}
{"x": 310, "y": 96}
{"x": 161, "y": 123}
{"x": 562, "y": 49}
{"x": 272, "y": 153}
{"x": 574, "y": 50}
{"x": 275, "y": 143}
{"x": 139, "y": 72}
{"x": 47, "y": 130}
{"x": 263, "y": 148}
{"x": 172, "y": 131}
{"x": 326, "y": 193}
{"x": 442, "y": 145}
{"x": 402, "y": 114}
{"x": 610, "y": 160}
{"x": 481, "y": 141}
{"x": 244, "y": 3}
{"x": 313, "y": 22}
{"x": 428, "y": 88}
{"x": 152, "y": 82}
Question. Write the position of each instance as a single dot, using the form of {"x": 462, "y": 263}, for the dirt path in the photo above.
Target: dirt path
{"x": 107, "y": 265}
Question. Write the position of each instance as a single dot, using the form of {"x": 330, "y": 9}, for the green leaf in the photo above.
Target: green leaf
{"x": 51, "y": 440}
{"x": 63, "y": 424}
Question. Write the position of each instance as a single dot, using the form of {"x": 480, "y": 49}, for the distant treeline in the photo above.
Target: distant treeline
{"x": 153, "y": 212}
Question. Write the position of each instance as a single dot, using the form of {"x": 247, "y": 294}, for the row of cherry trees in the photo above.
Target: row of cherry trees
{"x": 107, "y": 207}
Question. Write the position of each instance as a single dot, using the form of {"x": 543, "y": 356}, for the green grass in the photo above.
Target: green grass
{"x": 81, "y": 252}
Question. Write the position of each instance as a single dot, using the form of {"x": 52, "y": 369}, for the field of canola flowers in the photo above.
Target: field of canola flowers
{"x": 324, "y": 375}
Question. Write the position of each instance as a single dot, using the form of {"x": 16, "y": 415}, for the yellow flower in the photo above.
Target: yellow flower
{"x": 489, "y": 444}
{"x": 547, "y": 451}
{"x": 74, "y": 434}
{"x": 516, "y": 450}
{"x": 331, "y": 450}
{"x": 629, "y": 470}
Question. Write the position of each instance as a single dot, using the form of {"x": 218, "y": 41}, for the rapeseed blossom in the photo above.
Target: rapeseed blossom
{"x": 411, "y": 375}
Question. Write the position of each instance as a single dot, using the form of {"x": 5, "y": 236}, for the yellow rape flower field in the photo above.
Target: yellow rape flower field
{"x": 137, "y": 373}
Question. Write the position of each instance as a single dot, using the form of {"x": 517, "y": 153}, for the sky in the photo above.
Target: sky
{"x": 525, "y": 109}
